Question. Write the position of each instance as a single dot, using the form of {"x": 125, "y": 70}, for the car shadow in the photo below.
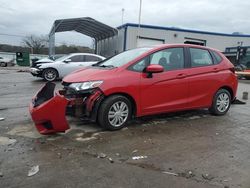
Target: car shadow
{"x": 173, "y": 116}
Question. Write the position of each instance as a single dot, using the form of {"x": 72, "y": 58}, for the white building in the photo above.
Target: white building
{"x": 152, "y": 35}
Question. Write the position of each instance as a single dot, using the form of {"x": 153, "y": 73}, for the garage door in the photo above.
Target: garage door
{"x": 148, "y": 42}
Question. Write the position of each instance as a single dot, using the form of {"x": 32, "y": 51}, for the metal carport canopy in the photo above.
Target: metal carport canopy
{"x": 86, "y": 25}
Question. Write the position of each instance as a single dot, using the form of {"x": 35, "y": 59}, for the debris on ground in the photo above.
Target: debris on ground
{"x": 111, "y": 160}
{"x": 81, "y": 139}
{"x": 33, "y": 170}
{"x": 139, "y": 157}
{"x": 7, "y": 141}
{"x": 102, "y": 155}
{"x": 123, "y": 159}
{"x": 135, "y": 151}
{"x": 1, "y": 174}
{"x": 207, "y": 177}
{"x": 125, "y": 128}
{"x": 10, "y": 149}
{"x": 237, "y": 101}
{"x": 23, "y": 70}
{"x": 1, "y": 118}
{"x": 194, "y": 117}
{"x": 170, "y": 173}
{"x": 187, "y": 174}
{"x": 245, "y": 95}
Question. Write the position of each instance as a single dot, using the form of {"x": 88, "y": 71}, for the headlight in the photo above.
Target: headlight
{"x": 85, "y": 85}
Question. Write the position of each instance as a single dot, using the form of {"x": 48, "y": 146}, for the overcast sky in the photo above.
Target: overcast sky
{"x": 24, "y": 17}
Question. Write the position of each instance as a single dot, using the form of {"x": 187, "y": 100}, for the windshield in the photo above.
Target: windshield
{"x": 122, "y": 58}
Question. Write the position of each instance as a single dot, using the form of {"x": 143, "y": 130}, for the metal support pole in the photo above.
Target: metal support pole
{"x": 139, "y": 25}
{"x": 52, "y": 44}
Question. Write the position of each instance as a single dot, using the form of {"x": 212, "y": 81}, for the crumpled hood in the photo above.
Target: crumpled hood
{"x": 89, "y": 74}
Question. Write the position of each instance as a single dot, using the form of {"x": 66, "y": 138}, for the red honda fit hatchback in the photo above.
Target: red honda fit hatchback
{"x": 139, "y": 82}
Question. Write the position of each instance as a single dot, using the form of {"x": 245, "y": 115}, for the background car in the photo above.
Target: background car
{"x": 64, "y": 65}
{"x": 4, "y": 62}
{"x": 140, "y": 82}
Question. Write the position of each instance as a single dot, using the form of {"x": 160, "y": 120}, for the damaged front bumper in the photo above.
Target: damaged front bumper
{"x": 48, "y": 109}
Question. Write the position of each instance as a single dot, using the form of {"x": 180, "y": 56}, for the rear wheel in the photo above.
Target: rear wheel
{"x": 115, "y": 112}
{"x": 50, "y": 74}
{"x": 221, "y": 102}
{"x": 247, "y": 77}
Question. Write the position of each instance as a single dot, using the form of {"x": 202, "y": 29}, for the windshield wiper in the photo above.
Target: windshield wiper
{"x": 105, "y": 66}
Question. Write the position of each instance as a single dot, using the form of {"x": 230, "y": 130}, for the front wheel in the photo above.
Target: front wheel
{"x": 3, "y": 64}
{"x": 50, "y": 74}
{"x": 115, "y": 112}
{"x": 221, "y": 102}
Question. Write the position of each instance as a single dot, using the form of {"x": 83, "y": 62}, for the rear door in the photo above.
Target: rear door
{"x": 203, "y": 78}
{"x": 166, "y": 91}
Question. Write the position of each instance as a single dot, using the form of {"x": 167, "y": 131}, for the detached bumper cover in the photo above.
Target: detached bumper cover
{"x": 48, "y": 110}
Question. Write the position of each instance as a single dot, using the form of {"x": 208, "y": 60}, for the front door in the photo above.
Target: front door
{"x": 74, "y": 62}
{"x": 166, "y": 91}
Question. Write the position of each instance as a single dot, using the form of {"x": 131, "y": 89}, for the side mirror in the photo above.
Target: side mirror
{"x": 153, "y": 69}
{"x": 67, "y": 60}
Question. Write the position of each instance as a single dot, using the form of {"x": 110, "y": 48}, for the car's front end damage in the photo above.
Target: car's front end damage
{"x": 49, "y": 109}
{"x": 35, "y": 71}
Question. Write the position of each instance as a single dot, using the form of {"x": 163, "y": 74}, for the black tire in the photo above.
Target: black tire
{"x": 247, "y": 77}
{"x": 107, "y": 108}
{"x": 3, "y": 64}
{"x": 50, "y": 74}
{"x": 218, "y": 110}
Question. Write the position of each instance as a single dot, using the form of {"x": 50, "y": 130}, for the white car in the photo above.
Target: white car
{"x": 4, "y": 62}
{"x": 64, "y": 65}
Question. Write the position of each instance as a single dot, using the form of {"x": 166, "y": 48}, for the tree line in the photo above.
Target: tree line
{"x": 39, "y": 45}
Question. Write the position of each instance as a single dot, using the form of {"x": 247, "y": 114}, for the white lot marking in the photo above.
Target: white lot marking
{"x": 6, "y": 141}
{"x": 25, "y": 131}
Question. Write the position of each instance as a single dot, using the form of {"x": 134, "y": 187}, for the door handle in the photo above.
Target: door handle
{"x": 215, "y": 69}
{"x": 179, "y": 76}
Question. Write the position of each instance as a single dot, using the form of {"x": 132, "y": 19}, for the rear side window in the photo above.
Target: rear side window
{"x": 92, "y": 58}
{"x": 200, "y": 57}
{"x": 77, "y": 58}
{"x": 217, "y": 57}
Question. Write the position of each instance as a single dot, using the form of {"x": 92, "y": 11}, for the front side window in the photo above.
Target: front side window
{"x": 170, "y": 59}
{"x": 200, "y": 57}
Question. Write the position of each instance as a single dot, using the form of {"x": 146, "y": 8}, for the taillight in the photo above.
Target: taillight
{"x": 232, "y": 69}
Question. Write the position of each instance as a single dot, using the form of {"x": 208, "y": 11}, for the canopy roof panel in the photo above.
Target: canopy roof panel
{"x": 86, "y": 25}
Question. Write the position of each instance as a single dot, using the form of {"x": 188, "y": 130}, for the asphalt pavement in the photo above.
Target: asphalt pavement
{"x": 184, "y": 149}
